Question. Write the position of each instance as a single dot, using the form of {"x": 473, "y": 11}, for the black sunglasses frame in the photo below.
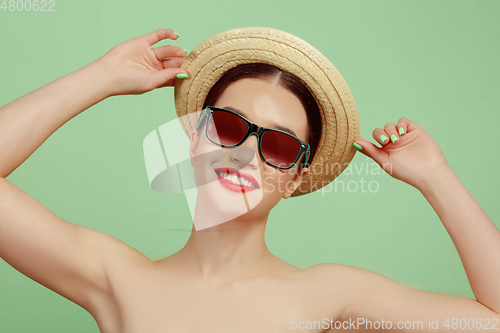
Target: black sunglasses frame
{"x": 253, "y": 128}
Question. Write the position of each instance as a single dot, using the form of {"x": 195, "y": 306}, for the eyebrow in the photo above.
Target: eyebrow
{"x": 273, "y": 125}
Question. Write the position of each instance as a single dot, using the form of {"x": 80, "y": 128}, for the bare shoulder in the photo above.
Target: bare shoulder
{"x": 349, "y": 286}
{"x": 343, "y": 272}
{"x": 373, "y": 296}
{"x": 353, "y": 281}
{"x": 338, "y": 272}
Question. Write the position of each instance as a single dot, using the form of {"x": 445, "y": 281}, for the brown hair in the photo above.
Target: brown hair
{"x": 287, "y": 81}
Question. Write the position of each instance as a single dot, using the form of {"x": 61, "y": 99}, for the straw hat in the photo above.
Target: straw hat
{"x": 226, "y": 50}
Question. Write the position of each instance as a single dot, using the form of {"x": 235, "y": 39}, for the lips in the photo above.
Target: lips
{"x": 247, "y": 183}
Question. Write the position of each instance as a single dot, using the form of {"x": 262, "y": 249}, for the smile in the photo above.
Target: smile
{"x": 236, "y": 181}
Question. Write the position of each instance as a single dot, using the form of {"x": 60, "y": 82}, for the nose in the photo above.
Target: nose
{"x": 246, "y": 153}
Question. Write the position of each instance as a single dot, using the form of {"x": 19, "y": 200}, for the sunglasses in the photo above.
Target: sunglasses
{"x": 228, "y": 129}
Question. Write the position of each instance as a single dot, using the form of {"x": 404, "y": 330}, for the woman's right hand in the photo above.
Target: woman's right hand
{"x": 133, "y": 67}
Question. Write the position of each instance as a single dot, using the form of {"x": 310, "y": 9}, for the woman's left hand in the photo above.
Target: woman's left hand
{"x": 412, "y": 157}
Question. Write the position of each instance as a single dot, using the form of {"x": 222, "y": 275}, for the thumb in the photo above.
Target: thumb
{"x": 166, "y": 77}
{"x": 370, "y": 150}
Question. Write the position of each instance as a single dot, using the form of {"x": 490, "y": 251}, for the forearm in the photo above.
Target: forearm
{"x": 475, "y": 236}
{"x": 28, "y": 121}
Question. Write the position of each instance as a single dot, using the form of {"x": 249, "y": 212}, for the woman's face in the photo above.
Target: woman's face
{"x": 266, "y": 104}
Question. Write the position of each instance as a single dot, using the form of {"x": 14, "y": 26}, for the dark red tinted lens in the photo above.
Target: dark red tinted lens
{"x": 279, "y": 149}
{"x": 227, "y": 128}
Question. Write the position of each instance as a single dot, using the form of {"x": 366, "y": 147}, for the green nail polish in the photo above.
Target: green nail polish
{"x": 383, "y": 138}
{"x": 357, "y": 146}
{"x": 401, "y": 131}
{"x": 394, "y": 138}
{"x": 182, "y": 76}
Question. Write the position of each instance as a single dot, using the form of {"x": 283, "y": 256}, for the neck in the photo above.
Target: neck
{"x": 233, "y": 249}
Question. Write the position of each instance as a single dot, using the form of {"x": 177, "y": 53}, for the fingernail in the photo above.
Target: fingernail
{"x": 357, "y": 146}
{"x": 394, "y": 138}
{"x": 182, "y": 76}
{"x": 401, "y": 130}
{"x": 383, "y": 138}
{"x": 185, "y": 51}
{"x": 176, "y": 34}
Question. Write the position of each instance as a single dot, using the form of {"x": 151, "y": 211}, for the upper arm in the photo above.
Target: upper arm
{"x": 67, "y": 258}
{"x": 377, "y": 297}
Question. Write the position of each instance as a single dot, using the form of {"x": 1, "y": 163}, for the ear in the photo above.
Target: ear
{"x": 193, "y": 146}
{"x": 293, "y": 184}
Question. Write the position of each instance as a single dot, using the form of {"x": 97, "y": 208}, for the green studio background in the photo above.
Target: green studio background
{"x": 434, "y": 62}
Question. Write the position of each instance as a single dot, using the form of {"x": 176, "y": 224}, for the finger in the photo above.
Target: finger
{"x": 157, "y": 35}
{"x": 168, "y": 51}
{"x": 381, "y": 136}
{"x": 407, "y": 126}
{"x": 401, "y": 127}
{"x": 390, "y": 129}
{"x": 173, "y": 62}
{"x": 165, "y": 77}
{"x": 370, "y": 150}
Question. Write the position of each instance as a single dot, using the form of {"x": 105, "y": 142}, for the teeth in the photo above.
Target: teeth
{"x": 235, "y": 179}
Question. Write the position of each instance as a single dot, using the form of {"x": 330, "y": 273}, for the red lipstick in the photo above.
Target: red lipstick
{"x": 247, "y": 183}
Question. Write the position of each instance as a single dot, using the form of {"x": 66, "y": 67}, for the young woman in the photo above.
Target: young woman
{"x": 225, "y": 279}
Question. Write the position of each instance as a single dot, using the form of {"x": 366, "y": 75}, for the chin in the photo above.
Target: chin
{"x": 224, "y": 204}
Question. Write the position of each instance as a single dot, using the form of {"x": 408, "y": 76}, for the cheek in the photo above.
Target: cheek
{"x": 207, "y": 154}
{"x": 206, "y": 147}
{"x": 276, "y": 181}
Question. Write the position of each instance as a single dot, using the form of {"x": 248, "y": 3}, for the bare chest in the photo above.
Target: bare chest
{"x": 262, "y": 305}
